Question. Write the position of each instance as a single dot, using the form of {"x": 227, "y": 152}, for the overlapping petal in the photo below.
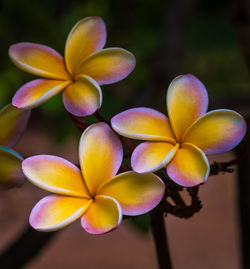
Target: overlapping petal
{"x": 103, "y": 215}
{"x": 36, "y": 92}
{"x": 13, "y": 122}
{"x": 39, "y": 60}
{"x": 152, "y": 156}
{"x": 55, "y": 174}
{"x": 189, "y": 166}
{"x": 100, "y": 154}
{"x": 217, "y": 131}
{"x": 136, "y": 193}
{"x": 143, "y": 123}
{"x": 187, "y": 100}
{"x": 10, "y": 168}
{"x": 55, "y": 212}
{"x": 83, "y": 97}
{"x": 108, "y": 65}
{"x": 87, "y": 36}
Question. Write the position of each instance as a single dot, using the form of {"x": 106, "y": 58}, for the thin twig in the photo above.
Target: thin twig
{"x": 78, "y": 122}
{"x": 101, "y": 118}
{"x": 160, "y": 239}
{"x": 223, "y": 167}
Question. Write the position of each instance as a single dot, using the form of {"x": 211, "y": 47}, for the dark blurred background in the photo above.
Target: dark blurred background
{"x": 210, "y": 39}
{"x": 168, "y": 38}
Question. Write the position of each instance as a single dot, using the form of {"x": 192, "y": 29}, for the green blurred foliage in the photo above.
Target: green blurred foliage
{"x": 213, "y": 55}
{"x": 141, "y": 223}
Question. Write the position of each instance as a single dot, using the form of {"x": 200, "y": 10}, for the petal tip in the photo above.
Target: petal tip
{"x": 15, "y": 102}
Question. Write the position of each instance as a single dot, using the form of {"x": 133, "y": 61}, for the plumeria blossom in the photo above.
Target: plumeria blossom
{"x": 85, "y": 67}
{"x": 181, "y": 142}
{"x": 95, "y": 193}
{"x": 12, "y": 124}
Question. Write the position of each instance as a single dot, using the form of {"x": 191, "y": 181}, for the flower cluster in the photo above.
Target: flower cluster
{"x": 86, "y": 66}
{"x": 181, "y": 142}
{"x": 95, "y": 192}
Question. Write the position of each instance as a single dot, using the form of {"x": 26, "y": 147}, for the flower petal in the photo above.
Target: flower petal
{"x": 39, "y": 60}
{"x": 152, "y": 156}
{"x": 13, "y": 122}
{"x": 87, "y": 36}
{"x": 100, "y": 154}
{"x": 187, "y": 100}
{"x": 136, "y": 193}
{"x": 55, "y": 174}
{"x": 217, "y": 131}
{"x": 54, "y": 212}
{"x": 189, "y": 166}
{"x": 83, "y": 97}
{"x": 37, "y": 92}
{"x": 143, "y": 123}
{"x": 108, "y": 65}
{"x": 103, "y": 215}
{"x": 10, "y": 168}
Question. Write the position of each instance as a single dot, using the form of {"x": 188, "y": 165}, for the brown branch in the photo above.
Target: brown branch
{"x": 240, "y": 16}
{"x": 186, "y": 212}
{"x": 78, "y": 122}
{"x": 224, "y": 167}
{"x": 160, "y": 239}
{"x": 129, "y": 143}
{"x": 99, "y": 117}
{"x": 28, "y": 245}
{"x": 181, "y": 210}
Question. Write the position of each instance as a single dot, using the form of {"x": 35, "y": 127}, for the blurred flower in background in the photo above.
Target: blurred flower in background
{"x": 12, "y": 124}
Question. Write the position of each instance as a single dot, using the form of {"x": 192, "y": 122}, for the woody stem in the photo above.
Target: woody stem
{"x": 160, "y": 239}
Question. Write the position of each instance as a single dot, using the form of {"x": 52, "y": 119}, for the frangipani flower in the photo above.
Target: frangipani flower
{"x": 12, "y": 124}
{"x": 180, "y": 142}
{"x": 86, "y": 66}
{"x": 95, "y": 193}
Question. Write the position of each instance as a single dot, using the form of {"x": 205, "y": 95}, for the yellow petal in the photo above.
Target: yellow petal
{"x": 187, "y": 100}
{"x": 152, "y": 156}
{"x": 143, "y": 123}
{"x": 136, "y": 193}
{"x": 217, "y": 131}
{"x": 100, "y": 154}
{"x": 103, "y": 215}
{"x": 55, "y": 174}
{"x": 189, "y": 166}
{"x": 37, "y": 92}
{"x": 39, "y": 60}
{"x": 87, "y": 36}
{"x": 12, "y": 124}
{"x": 82, "y": 98}
{"x": 108, "y": 65}
{"x": 55, "y": 212}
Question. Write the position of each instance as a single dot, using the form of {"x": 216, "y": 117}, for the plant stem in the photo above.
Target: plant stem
{"x": 99, "y": 117}
{"x": 160, "y": 239}
{"x": 78, "y": 122}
